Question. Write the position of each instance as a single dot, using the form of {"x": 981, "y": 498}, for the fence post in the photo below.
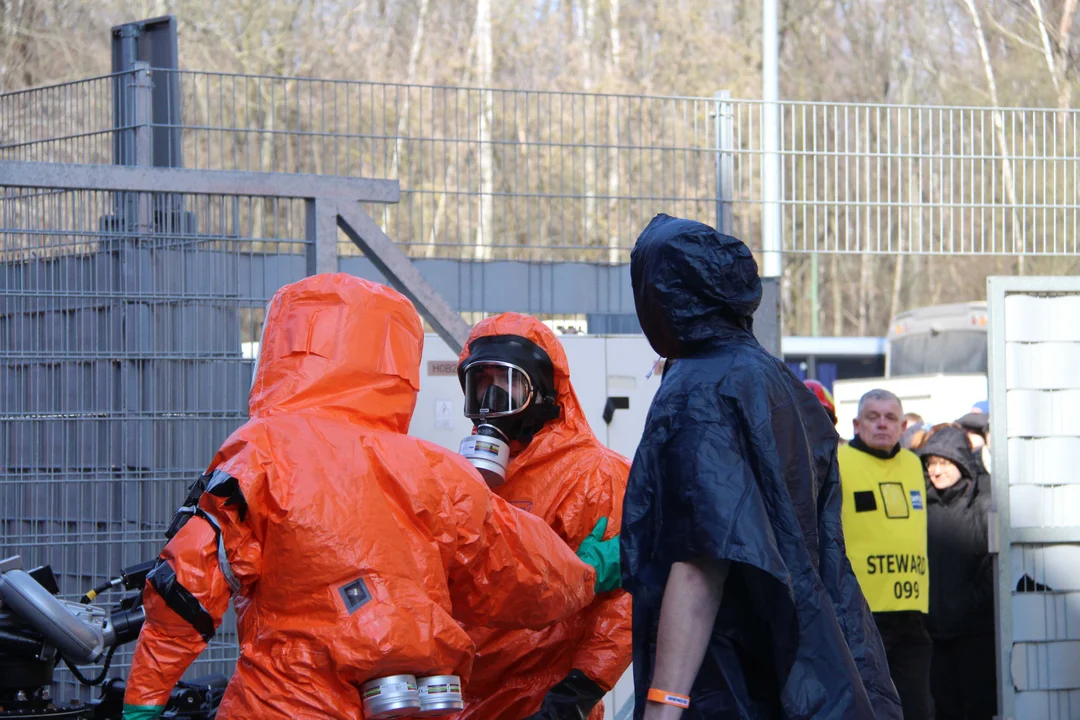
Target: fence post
{"x": 724, "y": 114}
{"x": 142, "y": 135}
{"x": 320, "y": 232}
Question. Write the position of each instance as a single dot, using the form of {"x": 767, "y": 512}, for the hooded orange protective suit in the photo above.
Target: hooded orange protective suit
{"x": 322, "y": 494}
{"x": 568, "y": 478}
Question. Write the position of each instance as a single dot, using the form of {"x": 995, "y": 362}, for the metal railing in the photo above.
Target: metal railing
{"x": 123, "y": 366}
{"x": 510, "y": 174}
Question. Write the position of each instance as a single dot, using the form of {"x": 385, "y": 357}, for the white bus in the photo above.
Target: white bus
{"x": 935, "y": 362}
{"x": 937, "y": 340}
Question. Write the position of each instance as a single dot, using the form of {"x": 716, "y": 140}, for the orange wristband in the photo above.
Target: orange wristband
{"x": 668, "y": 698}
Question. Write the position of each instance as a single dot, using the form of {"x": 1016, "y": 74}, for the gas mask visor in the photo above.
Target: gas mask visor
{"x": 496, "y": 389}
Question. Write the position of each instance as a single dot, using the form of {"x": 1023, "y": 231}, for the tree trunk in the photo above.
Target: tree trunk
{"x": 403, "y": 116}
{"x": 898, "y": 268}
{"x": 614, "y": 73}
{"x": 999, "y": 130}
{"x": 591, "y": 144}
{"x": 837, "y": 295}
{"x": 450, "y": 176}
{"x": 906, "y": 91}
{"x": 485, "y": 231}
{"x": 1048, "y": 53}
{"x": 786, "y": 305}
{"x": 865, "y": 276}
{"x": 1057, "y": 59}
{"x": 867, "y": 261}
{"x": 1063, "y": 47}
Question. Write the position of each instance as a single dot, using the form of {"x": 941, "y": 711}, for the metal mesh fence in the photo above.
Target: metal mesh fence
{"x": 125, "y": 358}
{"x": 69, "y": 122}
{"x": 570, "y": 176}
{"x": 510, "y": 174}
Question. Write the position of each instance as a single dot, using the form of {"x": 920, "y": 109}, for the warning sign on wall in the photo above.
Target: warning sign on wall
{"x": 444, "y": 415}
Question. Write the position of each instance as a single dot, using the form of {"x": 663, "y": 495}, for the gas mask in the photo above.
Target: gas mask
{"x": 509, "y": 395}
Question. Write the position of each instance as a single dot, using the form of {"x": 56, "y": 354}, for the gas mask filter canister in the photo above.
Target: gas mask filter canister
{"x": 489, "y": 452}
{"x": 390, "y": 697}
{"x": 440, "y": 695}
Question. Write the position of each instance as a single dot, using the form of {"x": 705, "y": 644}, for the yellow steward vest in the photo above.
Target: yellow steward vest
{"x": 884, "y": 515}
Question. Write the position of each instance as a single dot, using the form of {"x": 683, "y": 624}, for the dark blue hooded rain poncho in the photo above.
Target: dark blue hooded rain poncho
{"x": 738, "y": 463}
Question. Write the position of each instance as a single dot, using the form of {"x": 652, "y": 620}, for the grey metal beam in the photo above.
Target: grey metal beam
{"x": 118, "y": 178}
{"x": 1045, "y": 535}
{"x": 1001, "y": 532}
{"x": 725, "y": 161}
{"x": 321, "y": 233}
{"x": 403, "y": 275}
{"x": 768, "y": 317}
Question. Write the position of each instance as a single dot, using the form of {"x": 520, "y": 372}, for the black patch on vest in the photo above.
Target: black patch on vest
{"x": 865, "y": 501}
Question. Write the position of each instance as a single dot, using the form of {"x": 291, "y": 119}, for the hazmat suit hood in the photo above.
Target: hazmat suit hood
{"x": 566, "y": 476}
{"x": 738, "y": 462}
{"x": 339, "y": 344}
{"x": 693, "y": 286}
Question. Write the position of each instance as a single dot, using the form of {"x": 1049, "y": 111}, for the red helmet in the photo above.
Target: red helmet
{"x": 824, "y": 397}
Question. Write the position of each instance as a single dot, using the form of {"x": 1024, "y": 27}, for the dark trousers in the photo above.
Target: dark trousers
{"x": 964, "y": 677}
{"x": 908, "y": 648}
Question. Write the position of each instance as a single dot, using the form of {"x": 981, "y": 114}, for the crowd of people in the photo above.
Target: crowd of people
{"x": 748, "y": 564}
{"x": 940, "y": 641}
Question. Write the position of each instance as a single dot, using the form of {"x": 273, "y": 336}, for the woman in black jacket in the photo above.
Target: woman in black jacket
{"x": 961, "y": 617}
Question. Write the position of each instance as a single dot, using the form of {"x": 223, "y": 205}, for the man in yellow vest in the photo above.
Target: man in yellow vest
{"x": 884, "y": 515}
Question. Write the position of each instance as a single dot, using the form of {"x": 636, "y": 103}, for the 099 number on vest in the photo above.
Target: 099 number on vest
{"x": 906, "y": 589}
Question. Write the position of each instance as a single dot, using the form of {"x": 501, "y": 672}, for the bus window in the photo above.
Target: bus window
{"x": 951, "y": 351}
{"x": 940, "y": 339}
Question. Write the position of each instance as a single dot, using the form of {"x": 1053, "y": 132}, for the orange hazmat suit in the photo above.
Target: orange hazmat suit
{"x": 350, "y": 550}
{"x": 569, "y": 479}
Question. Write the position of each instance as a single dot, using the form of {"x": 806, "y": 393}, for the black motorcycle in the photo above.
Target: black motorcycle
{"x": 38, "y": 630}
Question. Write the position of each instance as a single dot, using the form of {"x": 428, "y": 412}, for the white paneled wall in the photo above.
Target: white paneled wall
{"x": 1035, "y": 426}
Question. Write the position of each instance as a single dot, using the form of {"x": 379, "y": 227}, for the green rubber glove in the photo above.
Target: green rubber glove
{"x": 603, "y": 555}
{"x": 143, "y": 712}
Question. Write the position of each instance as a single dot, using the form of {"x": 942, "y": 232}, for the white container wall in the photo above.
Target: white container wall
{"x": 1035, "y": 436}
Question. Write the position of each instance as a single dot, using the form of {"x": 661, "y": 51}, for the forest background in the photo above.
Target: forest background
{"x": 986, "y": 53}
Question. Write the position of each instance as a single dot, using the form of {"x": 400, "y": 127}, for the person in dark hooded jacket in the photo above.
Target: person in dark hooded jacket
{"x": 963, "y": 676}
{"x": 744, "y": 602}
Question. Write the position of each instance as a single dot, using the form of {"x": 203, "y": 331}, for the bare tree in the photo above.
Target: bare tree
{"x": 999, "y": 128}
{"x": 614, "y": 73}
{"x": 410, "y": 77}
{"x": 1056, "y": 54}
{"x": 590, "y": 148}
{"x": 485, "y": 230}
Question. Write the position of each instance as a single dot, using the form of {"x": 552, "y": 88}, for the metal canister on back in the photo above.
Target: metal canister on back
{"x": 390, "y": 697}
{"x": 439, "y": 695}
